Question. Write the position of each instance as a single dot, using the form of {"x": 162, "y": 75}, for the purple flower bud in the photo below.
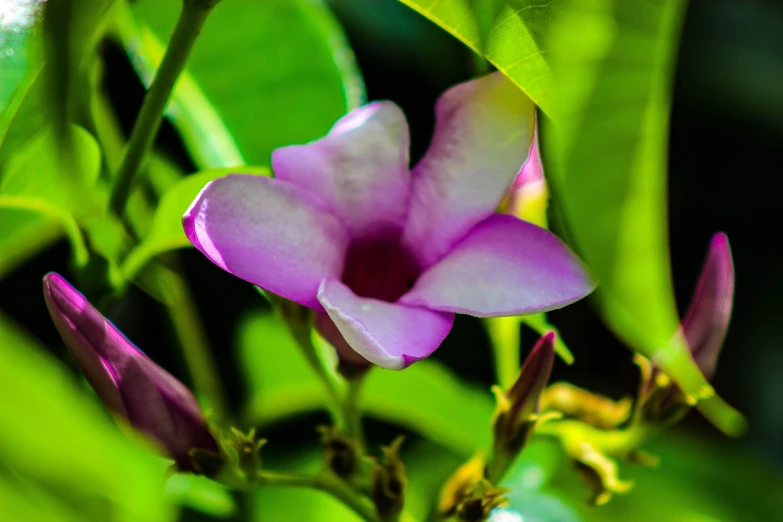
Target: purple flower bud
{"x": 130, "y": 384}
{"x": 707, "y": 320}
{"x": 524, "y": 396}
{"x": 704, "y": 328}
{"x": 517, "y": 410}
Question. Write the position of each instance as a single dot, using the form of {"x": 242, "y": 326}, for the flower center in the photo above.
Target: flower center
{"x": 379, "y": 269}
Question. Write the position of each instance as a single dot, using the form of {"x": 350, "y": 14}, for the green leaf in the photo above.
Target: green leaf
{"x": 24, "y": 118}
{"x": 109, "y": 238}
{"x": 36, "y": 171}
{"x": 33, "y": 181}
{"x": 165, "y": 232}
{"x": 614, "y": 61}
{"x": 231, "y": 109}
{"x": 431, "y": 400}
{"x": 27, "y": 500}
{"x": 514, "y": 44}
{"x": 200, "y": 493}
{"x": 13, "y": 103}
{"x": 425, "y": 398}
{"x": 54, "y": 440}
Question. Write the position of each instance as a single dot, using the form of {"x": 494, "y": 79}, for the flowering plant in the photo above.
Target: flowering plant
{"x": 280, "y": 289}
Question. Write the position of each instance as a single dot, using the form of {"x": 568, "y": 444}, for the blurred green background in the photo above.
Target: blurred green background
{"x": 725, "y": 147}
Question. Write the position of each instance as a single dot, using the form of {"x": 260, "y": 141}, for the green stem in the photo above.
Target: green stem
{"x": 326, "y": 482}
{"x": 351, "y": 412}
{"x": 188, "y": 27}
{"x": 504, "y": 334}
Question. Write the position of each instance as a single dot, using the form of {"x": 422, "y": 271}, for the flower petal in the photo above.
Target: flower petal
{"x": 483, "y": 132}
{"x": 528, "y": 195}
{"x": 268, "y": 232}
{"x": 387, "y": 334}
{"x": 532, "y": 170}
{"x": 360, "y": 168}
{"x": 707, "y": 320}
{"x": 504, "y": 266}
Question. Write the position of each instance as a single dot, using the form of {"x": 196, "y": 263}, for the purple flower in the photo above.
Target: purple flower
{"x": 385, "y": 255}
{"x": 130, "y": 384}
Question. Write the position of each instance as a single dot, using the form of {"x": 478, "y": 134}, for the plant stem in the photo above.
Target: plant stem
{"x": 326, "y": 482}
{"x": 351, "y": 411}
{"x": 188, "y": 27}
{"x": 330, "y": 383}
{"x": 504, "y": 334}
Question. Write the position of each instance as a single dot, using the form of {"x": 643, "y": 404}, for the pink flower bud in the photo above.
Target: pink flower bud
{"x": 130, "y": 384}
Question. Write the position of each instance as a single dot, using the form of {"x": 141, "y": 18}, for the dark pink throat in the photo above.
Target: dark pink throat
{"x": 379, "y": 269}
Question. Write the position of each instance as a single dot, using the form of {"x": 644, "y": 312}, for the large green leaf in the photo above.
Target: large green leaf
{"x": 425, "y": 398}
{"x": 166, "y": 231}
{"x": 59, "y": 456}
{"x": 614, "y": 62}
{"x": 515, "y": 42}
{"x": 273, "y": 73}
